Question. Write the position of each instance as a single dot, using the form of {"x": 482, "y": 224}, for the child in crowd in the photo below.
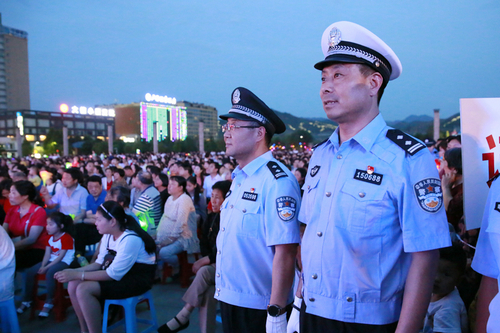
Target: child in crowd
{"x": 58, "y": 255}
{"x": 446, "y": 312}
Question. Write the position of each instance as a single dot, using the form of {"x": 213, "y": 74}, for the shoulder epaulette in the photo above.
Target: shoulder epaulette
{"x": 276, "y": 170}
{"x": 408, "y": 143}
{"x": 492, "y": 179}
{"x": 319, "y": 144}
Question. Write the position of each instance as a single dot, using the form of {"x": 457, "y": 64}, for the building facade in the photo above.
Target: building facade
{"x": 128, "y": 122}
{"x": 14, "y": 69}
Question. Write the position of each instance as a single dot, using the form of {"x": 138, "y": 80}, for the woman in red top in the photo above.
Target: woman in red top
{"x": 27, "y": 221}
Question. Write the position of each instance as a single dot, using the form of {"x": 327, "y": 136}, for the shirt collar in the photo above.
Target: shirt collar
{"x": 366, "y": 137}
{"x": 253, "y": 166}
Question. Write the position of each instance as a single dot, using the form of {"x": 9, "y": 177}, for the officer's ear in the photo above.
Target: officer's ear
{"x": 375, "y": 81}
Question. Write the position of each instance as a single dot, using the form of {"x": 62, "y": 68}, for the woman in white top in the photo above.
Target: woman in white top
{"x": 124, "y": 268}
{"x": 174, "y": 233}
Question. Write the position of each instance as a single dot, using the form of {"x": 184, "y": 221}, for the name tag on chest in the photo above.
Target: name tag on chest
{"x": 364, "y": 176}
{"x": 249, "y": 196}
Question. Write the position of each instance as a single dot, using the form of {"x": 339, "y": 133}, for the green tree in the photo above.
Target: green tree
{"x": 53, "y": 142}
{"x": 100, "y": 147}
{"x": 26, "y": 148}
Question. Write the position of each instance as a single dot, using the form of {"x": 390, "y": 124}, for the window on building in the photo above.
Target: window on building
{"x": 90, "y": 125}
{"x": 79, "y": 124}
{"x": 43, "y": 123}
{"x": 10, "y": 122}
{"x": 68, "y": 124}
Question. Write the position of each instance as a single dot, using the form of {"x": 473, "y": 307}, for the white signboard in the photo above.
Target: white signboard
{"x": 480, "y": 123}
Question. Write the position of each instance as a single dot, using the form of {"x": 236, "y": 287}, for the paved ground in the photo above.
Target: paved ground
{"x": 167, "y": 300}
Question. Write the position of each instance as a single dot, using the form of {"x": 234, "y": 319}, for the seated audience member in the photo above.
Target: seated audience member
{"x": 7, "y": 266}
{"x": 161, "y": 184}
{"x": 147, "y": 207}
{"x": 452, "y": 187}
{"x": 185, "y": 169}
{"x": 34, "y": 176}
{"x": 454, "y": 141}
{"x": 4, "y": 198}
{"x": 107, "y": 181}
{"x": 197, "y": 294}
{"x": 86, "y": 232}
{"x": 121, "y": 195}
{"x": 212, "y": 178}
{"x": 119, "y": 178}
{"x": 300, "y": 174}
{"x": 199, "y": 173}
{"x": 124, "y": 268}
{"x": 200, "y": 202}
{"x": 174, "y": 234}
{"x": 19, "y": 175}
{"x": 72, "y": 199}
{"x": 128, "y": 175}
{"x": 59, "y": 253}
{"x": 53, "y": 182}
{"x": 446, "y": 312}
{"x": 27, "y": 221}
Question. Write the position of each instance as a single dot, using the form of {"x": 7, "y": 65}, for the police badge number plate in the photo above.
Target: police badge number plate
{"x": 365, "y": 176}
{"x": 286, "y": 207}
{"x": 429, "y": 195}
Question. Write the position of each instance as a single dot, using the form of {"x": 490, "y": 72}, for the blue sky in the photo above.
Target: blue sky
{"x": 100, "y": 52}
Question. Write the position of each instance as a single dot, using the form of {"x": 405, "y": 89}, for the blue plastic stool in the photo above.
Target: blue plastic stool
{"x": 8, "y": 315}
{"x": 131, "y": 319}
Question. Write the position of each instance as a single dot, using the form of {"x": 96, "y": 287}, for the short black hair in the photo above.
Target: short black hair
{"x": 303, "y": 172}
{"x": 223, "y": 186}
{"x": 121, "y": 172}
{"x": 164, "y": 179}
{"x": 75, "y": 173}
{"x": 454, "y": 159}
{"x": 456, "y": 255}
{"x": 94, "y": 179}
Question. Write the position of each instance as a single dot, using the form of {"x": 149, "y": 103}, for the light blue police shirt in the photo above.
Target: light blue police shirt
{"x": 484, "y": 261}
{"x": 367, "y": 204}
{"x": 259, "y": 211}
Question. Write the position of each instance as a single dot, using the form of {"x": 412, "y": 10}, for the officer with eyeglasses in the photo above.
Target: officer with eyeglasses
{"x": 259, "y": 231}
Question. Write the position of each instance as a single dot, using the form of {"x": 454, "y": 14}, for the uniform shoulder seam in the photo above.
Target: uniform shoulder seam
{"x": 319, "y": 144}
{"x": 405, "y": 141}
{"x": 276, "y": 170}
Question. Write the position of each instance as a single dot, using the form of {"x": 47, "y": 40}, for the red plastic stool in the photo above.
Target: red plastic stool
{"x": 185, "y": 269}
{"x": 61, "y": 300}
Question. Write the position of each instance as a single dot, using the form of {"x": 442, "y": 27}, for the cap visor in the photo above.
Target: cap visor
{"x": 340, "y": 58}
{"x": 235, "y": 115}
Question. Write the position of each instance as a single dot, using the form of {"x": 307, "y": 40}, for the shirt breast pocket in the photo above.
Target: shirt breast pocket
{"x": 310, "y": 188}
{"x": 251, "y": 215}
{"x": 365, "y": 204}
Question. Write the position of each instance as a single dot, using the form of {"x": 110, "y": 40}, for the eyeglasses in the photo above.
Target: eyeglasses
{"x": 231, "y": 127}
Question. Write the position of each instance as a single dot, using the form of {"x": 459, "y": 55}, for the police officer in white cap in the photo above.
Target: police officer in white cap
{"x": 372, "y": 202}
{"x": 259, "y": 231}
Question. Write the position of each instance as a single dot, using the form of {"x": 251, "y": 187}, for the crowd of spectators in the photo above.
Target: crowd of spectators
{"x": 173, "y": 198}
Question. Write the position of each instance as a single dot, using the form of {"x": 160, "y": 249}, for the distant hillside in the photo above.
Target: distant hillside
{"x": 321, "y": 128}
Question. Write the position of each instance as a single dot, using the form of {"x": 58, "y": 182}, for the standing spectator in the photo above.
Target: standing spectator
{"x": 27, "y": 221}
{"x": 212, "y": 178}
{"x": 199, "y": 173}
{"x": 259, "y": 231}
{"x": 300, "y": 174}
{"x": 372, "y": 202}
{"x": 128, "y": 175}
{"x": 148, "y": 205}
{"x": 452, "y": 180}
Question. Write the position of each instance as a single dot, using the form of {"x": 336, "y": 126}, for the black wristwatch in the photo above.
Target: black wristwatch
{"x": 275, "y": 310}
